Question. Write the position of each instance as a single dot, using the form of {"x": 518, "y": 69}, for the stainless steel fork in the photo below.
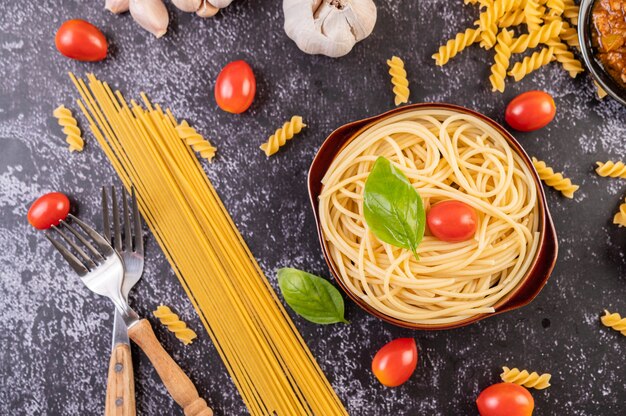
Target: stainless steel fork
{"x": 102, "y": 271}
{"x": 120, "y": 396}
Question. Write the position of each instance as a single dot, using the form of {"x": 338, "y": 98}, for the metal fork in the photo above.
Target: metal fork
{"x": 102, "y": 271}
{"x": 120, "y": 396}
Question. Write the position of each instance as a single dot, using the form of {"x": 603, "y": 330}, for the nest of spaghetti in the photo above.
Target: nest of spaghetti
{"x": 446, "y": 155}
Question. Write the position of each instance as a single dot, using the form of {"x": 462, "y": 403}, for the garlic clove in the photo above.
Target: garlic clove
{"x": 328, "y": 27}
{"x": 220, "y": 4}
{"x": 116, "y": 6}
{"x": 189, "y": 6}
{"x": 207, "y": 9}
{"x": 151, "y": 15}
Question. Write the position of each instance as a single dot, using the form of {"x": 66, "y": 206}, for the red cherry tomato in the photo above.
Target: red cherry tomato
{"x": 48, "y": 210}
{"x": 530, "y": 111}
{"x": 235, "y": 87}
{"x": 505, "y": 399}
{"x": 394, "y": 363}
{"x": 452, "y": 221}
{"x": 78, "y": 39}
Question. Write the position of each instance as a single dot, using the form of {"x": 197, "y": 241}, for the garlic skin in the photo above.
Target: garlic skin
{"x": 220, "y": 4}
{"x": 151, "y": 15}
{"x": 207, "y": 9}
{"x": 116, "y": 6}
{"x": 328, "y": 27}
{"x": 189, "y": 6}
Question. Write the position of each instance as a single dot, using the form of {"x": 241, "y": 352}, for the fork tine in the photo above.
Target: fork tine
{"x": 90, "y": 264}
{"x": 106, "y": 226}
{"x": 137, "y": 224}
{"x": 128, "y": 242}
{"x": 105, "y": 248}
{"x": 68, "y": 256}
{"x": 117, "y": 233}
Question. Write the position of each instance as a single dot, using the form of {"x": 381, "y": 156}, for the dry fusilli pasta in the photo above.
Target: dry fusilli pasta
{"x": 512, "y": 18}
{"x": 614, "y": 321}
{"x": 399, "y": 80}
{"x": 174, "y": 324}
{"x": 192, "y": 138}
{"x": 526, "y": 379}
{"x": 612, "y": 169}
{"x": 554, "y": 180}
{"x": 532, "y": 63}
{"x": 620, "y": 217}
{"x": 571, "y": 11}
{"x": 452, "y": 47}
{"x": 557, "y": 7}
{"x": 70, "y": 128}
{"x": 503, "y": 54}
{"x": 563, "y": 55}
{"x": 533, "y": 14}
{"x": 488, "y": 21}
{"x": 534, "y": 38}
{"x": 600, "y": 90}
{"x": 280, "y": 137}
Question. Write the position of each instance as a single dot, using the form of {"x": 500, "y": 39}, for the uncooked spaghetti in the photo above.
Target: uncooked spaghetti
{"x": 445, "y": 155}
{"x": 265, "y": 355}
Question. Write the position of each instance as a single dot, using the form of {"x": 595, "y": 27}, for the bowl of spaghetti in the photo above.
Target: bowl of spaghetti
{"x": 446, "y": 152}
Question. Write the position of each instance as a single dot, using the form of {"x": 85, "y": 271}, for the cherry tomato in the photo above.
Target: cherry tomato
{"x": 48, "y": 210}
{"x": 394, "y": 363}
{"x": 452, "y": 221}
{"x": 505, "y": 399}
{"x": 79, "y": 39}
{"x": 235, "y": 87}
{"x": 530, "y": 111}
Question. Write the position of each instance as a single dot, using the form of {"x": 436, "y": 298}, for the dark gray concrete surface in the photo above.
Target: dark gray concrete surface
{"x": 55, "y": 335}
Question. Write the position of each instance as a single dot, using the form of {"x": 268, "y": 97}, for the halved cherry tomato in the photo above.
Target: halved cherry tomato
{"x": 48, "y": 210}
{"x": 530, "y": 111}
{"x": 452, "y": 221}
{"x": 505, "y": 399}
{"x": 394, "y": 363}
{"x": 235, "y": 87}
{"x": 79, "y": 39}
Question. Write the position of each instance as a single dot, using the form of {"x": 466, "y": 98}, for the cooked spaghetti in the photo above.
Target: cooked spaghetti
{"x": 265, "y": 355}
{"x": 445, "y": 155}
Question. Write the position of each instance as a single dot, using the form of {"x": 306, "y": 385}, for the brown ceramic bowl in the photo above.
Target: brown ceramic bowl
{"x": 529, "y": 286}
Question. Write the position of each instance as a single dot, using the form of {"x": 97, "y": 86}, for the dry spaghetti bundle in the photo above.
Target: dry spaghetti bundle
{"x": 265, "y": 355}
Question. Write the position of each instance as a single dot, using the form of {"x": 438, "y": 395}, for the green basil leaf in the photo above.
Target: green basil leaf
{"x": 393, "y": 209}
{"x": 311, "y": 297}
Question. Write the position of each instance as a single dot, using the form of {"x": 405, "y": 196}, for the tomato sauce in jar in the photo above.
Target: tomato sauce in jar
{"x": 609, "y": 37}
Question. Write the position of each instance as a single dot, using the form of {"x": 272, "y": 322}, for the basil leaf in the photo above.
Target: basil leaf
{"x": 393, "y": 209}
{"x": 311, "y": 297}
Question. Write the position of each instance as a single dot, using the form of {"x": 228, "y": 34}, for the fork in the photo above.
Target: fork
{"x": 102, "y": 271}
{"x": 120, "y": 395}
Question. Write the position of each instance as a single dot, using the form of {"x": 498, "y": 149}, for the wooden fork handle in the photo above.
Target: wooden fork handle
{"x": 120, "y": 398}
{"x": 176, "y": 381}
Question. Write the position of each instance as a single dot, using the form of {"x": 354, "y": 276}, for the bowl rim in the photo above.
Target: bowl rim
{"x": 598, "y": 73}
{"x": 539, "y": 270}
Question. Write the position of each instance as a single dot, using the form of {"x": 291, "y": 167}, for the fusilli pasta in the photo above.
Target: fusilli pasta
{"x": 488, "y": 21}
{"x": 600, "y": 90}
{"x": 452, "y": 47}
{"x": 526, "y": 379}
{"x": 503, "y": 54}
{"x": 614, "y": 321}
{"x": 544, "y": 34}
{"x": 512, "y": 18}
{"x": 398, "y": 80}
{"x": 532, "y": 63}
{"x": 563, "y": 55}
{"x": 192, "y": 138}
{"x": 533, "y": 14}
{"x": 70, "y": 128}
{"x": 571, "y": 11}
{"x": 612, "y": 169}
{"x": 620, "y": 217}
{"x": 556, "y": 7}
{"x": 280, "y": 137}
{"x": 554, "y": 180}
{"x": 174, "y": 324}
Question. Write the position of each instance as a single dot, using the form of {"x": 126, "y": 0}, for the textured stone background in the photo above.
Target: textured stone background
{"x": 55, "y": 335}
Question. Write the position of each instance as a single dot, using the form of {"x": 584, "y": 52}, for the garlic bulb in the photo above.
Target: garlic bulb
{"x": 116, "y": 6}
{"x": 207, "y": 9}
{"x": 151, "y": 15}
{"x": 220, "y": 4}
{"x": 328, "y": 27}
{"x": 189, "y": 6}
